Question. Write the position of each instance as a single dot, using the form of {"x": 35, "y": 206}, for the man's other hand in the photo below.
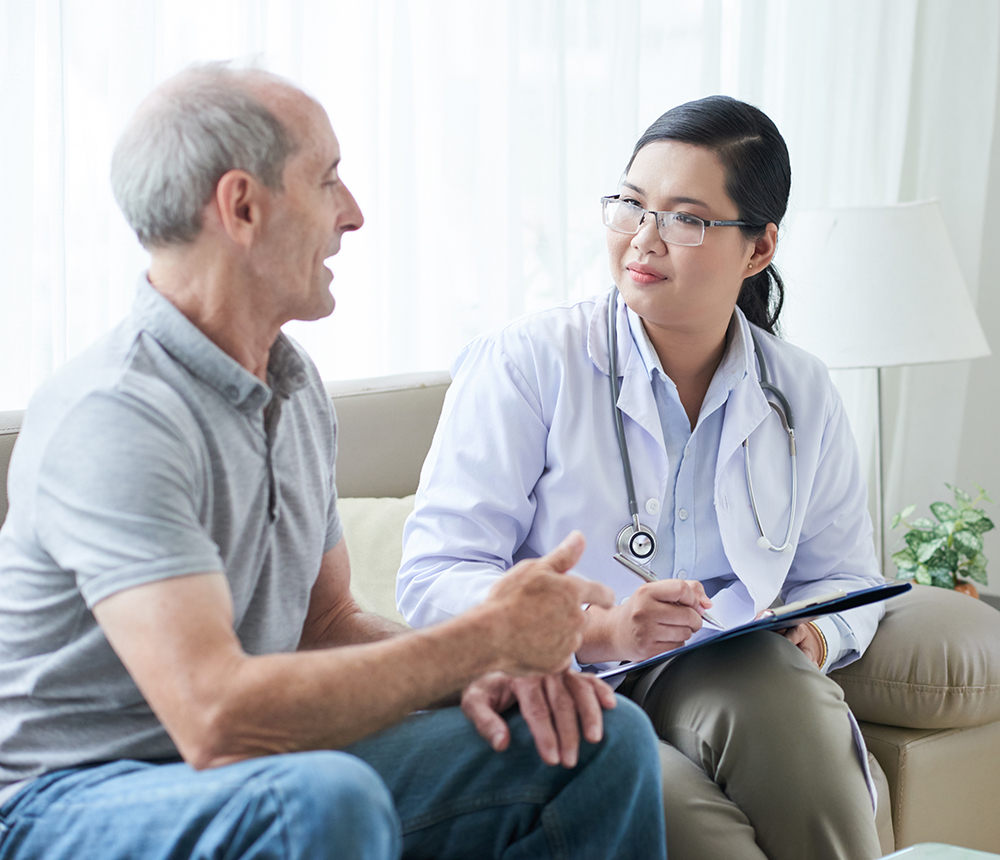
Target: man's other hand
{"x": 539, "y": 610}
{"x": 557, "y": 709}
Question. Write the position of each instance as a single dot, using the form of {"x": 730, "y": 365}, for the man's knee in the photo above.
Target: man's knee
{"x": 629, "y": 736}
{"x": 338, "y": 800}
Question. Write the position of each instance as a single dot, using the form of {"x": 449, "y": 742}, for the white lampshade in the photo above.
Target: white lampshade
{"x": 876, "y": 287}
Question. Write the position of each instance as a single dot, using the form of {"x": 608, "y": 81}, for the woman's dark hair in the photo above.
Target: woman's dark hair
{"x": 758, "y": 179}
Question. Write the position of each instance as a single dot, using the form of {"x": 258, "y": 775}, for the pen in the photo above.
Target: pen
{"x": 648, "y": 575}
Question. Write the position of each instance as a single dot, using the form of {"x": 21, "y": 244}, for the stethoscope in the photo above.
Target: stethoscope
{"x": 636, "y": 543}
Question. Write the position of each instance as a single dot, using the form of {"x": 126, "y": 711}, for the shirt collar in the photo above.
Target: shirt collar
{"x": 733, "y": 368}
{"x": 191, "y": 348}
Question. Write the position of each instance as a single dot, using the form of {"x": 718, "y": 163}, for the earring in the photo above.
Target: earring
{"x": 749, "y": 265}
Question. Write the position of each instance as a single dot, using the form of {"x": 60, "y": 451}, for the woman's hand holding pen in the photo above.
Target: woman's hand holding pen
{"x": 658, "y": 616}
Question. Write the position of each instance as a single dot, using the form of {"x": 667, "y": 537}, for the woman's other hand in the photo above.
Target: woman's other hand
{"x": 808, "y": 640}
{"x": 658, "y": 616}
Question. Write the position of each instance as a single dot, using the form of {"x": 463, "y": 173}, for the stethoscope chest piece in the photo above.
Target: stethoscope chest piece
{"x": 639, "y": 543}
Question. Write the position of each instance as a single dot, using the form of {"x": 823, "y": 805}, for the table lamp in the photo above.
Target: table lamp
{"x": 877, "y": 287}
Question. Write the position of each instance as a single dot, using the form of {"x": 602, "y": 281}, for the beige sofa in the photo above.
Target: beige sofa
{"x": 927, "y": 692}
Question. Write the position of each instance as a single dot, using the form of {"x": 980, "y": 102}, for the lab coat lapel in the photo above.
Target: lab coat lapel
{"x": 635, "y": 396}
{"x": 746, "y": 407}
{"x": 760, "y": 570}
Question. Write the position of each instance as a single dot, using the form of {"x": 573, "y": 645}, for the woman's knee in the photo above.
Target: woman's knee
{"x": 753, "y": 686}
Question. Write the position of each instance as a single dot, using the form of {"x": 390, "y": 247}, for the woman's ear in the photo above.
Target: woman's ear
{"x": 763, "y": 250}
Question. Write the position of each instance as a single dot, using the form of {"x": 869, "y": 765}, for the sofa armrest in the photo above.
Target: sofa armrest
{"x": 934, "y": 664}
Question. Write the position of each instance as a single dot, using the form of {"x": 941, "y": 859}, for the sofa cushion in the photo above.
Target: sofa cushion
{"x": 934, "y": 663}
{"x": 373, "y": 529}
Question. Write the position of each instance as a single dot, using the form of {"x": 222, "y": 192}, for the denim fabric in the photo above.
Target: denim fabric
{"x": 311, "y": 806}
{"x": 457, "y": 798}
{"x": 451, "y": 796}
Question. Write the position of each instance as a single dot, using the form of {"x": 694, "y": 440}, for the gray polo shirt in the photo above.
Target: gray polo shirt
{"x": 152, "y": 455}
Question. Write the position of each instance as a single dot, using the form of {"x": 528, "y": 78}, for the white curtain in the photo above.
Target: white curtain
{"x": 477, "y": 138}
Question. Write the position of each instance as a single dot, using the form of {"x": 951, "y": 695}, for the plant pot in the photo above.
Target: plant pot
{"x": 967, "y": 588}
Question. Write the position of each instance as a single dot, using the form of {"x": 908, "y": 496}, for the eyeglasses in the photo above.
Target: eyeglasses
{"x": 675, "y": 228}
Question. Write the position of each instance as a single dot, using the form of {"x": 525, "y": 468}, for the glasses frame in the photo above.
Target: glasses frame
{"x": 657, "y": 216}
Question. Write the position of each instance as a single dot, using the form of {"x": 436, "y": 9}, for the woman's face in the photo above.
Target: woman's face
{"x": 683, "y": 288}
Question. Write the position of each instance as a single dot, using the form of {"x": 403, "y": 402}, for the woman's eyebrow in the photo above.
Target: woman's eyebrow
{"x": 693, "y": 201}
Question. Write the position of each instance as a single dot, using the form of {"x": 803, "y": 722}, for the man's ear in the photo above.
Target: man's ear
{"x": 239, "y": 197}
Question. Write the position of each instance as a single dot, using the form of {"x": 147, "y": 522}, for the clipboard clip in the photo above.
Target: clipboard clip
{"x": 797, "y": 605}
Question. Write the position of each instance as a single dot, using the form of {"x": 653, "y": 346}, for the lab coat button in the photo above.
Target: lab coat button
{"x": 682, "y": 513}
{"x": 653, "y": 506}
{"x": 682, "y": 574}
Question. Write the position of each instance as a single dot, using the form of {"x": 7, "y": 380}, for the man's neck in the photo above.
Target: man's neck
{"x": 218, "y": 299}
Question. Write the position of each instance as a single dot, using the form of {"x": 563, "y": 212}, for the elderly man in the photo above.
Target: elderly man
{"x": 183, "y": 671}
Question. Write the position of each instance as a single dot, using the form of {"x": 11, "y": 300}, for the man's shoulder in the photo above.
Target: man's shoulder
{"x": 101, "y": 399}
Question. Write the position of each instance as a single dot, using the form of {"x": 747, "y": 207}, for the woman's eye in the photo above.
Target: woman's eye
{"x": 687, "y": 220}
{"x": 628, "y": 201}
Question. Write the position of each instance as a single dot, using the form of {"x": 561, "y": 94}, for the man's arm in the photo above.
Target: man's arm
{"x": 220, "y": 705}
{"x": 334, "y": 617}
{"x": 558, "y": 708}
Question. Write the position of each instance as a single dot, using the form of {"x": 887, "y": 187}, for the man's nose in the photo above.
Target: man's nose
{"x": 351, "y": 217}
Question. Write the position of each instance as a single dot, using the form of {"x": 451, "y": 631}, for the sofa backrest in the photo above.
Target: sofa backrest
{"x": 10, "y": 425}
{"x": 385, "y": 425}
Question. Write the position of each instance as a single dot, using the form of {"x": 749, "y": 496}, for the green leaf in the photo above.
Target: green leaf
{"x": 916, "y": 539}
{"x": 909, "y": 509}
{"x": 896, "y": 519}
{"x": 922, "y": 576}
{"x": 979, "y": 561}
{"x": 905, "y": 560}
{"x": 944, "y": 512}
{"x": 962, "y": 497}
{"x": 923, "y": 523}
{"x": 968, "y": 542}
{"x": 925, "y": 551}
{"x": 942, "y": 578}
{"x": 977, "y": 574}
{"x": 985, "y": 495}
{"x": 982, "y": 525}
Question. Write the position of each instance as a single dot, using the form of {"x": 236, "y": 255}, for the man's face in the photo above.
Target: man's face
{"x": 305, "y": 221}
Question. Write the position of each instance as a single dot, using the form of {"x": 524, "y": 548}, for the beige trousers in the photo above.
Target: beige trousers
{"x": 760, "y": 760}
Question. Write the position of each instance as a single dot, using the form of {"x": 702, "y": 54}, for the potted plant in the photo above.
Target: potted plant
{"x": 946, "y": 551}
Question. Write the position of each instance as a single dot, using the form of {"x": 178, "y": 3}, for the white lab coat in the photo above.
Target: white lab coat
{"x": 526, "y": 451}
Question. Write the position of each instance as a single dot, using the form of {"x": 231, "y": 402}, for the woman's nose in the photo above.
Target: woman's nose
{"x": 647, "y": 238}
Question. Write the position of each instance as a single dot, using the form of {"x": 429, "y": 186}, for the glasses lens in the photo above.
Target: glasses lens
{"x": 680, "y": 229}
{"x": 620, "y": 216}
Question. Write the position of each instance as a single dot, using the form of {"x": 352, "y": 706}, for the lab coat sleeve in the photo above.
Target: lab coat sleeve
{"x": 835, "y": 550}
{"x": 475, "y": 503}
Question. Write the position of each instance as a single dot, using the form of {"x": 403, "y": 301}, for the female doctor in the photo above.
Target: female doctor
{"x": 762, "y": 757}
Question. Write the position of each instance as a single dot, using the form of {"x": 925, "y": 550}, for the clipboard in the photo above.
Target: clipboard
{"x": 779, "y": 618}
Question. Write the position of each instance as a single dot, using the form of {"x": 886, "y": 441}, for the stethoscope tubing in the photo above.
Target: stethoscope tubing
{"x": 783, "y": 410}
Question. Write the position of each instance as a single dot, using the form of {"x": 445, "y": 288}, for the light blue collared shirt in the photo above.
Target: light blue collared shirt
{"x": 689, "y": 543}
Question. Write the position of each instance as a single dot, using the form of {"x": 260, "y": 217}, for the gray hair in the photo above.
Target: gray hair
{"x": 190, "y": 132}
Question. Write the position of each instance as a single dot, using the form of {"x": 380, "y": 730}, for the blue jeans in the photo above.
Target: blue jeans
{"x": 428, "y": 787}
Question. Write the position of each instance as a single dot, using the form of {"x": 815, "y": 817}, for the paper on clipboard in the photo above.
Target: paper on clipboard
{"x": 777, "y": 619}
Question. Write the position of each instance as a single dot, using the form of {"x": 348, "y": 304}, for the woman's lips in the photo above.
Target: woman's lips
{"x": 644, "y": 274}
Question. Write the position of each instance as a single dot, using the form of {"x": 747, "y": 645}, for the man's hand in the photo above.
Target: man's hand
{"x": 807, "y": 639}
{"x": 538, "y": 610}
{"x": 555, "y": 707}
